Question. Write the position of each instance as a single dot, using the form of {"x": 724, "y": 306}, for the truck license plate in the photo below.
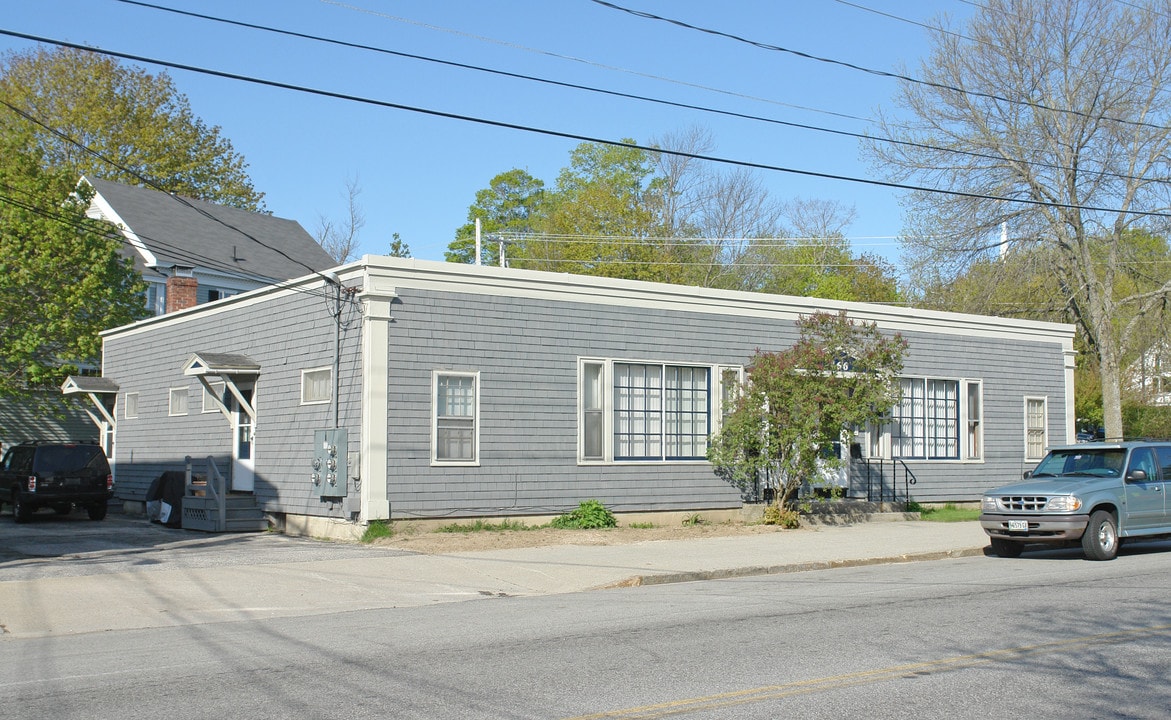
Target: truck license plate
{"x": 1018, "y": 525}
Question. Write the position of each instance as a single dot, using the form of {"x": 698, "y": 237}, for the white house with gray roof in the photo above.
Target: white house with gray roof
{"x": 210, "y": 251}
{"x": 415, "y": 389}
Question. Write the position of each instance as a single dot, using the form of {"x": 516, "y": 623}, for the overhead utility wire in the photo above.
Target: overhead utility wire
{"x": 966, "y": 38}
{"x": 615, "y": 93}
{"x": 591, "y": 63}
{"x": 566, "y": 135}
{"x": 178, "y": 198}
{"x": 871, "y": 71}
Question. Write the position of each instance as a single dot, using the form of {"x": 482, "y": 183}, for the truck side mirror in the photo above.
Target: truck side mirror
{"x": 1027, "y": 474}
{"x": 1136, "y": 476}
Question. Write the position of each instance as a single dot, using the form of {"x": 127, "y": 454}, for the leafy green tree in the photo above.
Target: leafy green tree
{"x": 839, "y": 375}
{"x": 398, "y": 247}
{"x": 139, "y": 122}
{"x": 512, "y": 203}
{"x": 62, "y": 279}
{"x": 621, "y": 211}
{"x": 597, "y": 221}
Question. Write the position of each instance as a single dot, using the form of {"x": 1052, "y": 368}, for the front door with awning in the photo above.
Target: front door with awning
{"x": 239, "y": 374}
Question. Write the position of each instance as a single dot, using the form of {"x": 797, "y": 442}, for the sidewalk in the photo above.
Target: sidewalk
{"x": 377, "y": 580}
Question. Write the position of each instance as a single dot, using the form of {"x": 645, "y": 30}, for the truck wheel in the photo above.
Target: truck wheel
{"x": 1100, "y": 541}
{"x": 22, "y": 512}
{"x": 96, "y": 511}
{"x": 1006, "y": 548}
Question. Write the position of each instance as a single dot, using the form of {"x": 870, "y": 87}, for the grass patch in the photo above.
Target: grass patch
{"x": 377, "y": 530}
{"x": 949, "y": 513}
{"x": 641, "y": 525}
{"x": 481, "y": 526}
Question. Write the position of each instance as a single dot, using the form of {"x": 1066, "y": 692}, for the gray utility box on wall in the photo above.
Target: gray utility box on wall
{"x": 330, "y": 471}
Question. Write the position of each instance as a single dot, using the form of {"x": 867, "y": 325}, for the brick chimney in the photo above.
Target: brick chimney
{"x": 182, "y": 288}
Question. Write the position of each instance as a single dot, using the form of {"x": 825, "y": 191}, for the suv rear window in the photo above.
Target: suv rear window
{"x": 69, "y": 459}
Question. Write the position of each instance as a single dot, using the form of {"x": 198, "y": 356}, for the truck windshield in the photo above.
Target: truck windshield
{"x": 1105, "y": 462}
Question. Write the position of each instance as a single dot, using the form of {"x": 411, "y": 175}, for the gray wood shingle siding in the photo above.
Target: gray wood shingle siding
{"x": 524, "y": 338}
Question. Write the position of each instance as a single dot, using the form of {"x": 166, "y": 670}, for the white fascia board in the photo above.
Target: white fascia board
{"x": 507, "y": 282}
{"x": 381, "y": 274}
{"x": 100, "y": 209}
{"x": 310, "y": 283}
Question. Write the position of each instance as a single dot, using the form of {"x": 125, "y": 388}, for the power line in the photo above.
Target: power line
{"x": 870, "y": 71}
{"x": 591, "y": 63}
{"x": 568, "y": 135}
{"x": 604, "y": 91}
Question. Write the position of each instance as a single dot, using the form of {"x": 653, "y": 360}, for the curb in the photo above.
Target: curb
{"x": 751, "y": 571}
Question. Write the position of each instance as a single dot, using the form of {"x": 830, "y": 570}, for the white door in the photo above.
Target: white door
{"x": 243, "y": 461}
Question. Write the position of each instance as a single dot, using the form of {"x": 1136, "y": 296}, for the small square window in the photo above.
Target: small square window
{"x": 209, "y": 399}
{"x": 178, "y": 402}
{"x": 130, "y": 405}
{"x": 316, "y": 386}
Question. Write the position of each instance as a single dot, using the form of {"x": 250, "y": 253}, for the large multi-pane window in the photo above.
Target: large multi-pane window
{"x": 926, "y": 422}
{"x": 647, "y": 411}
{"x": 455, "y": 420}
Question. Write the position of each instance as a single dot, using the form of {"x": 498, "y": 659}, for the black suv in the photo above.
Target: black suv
{"x": 56, "y": 475}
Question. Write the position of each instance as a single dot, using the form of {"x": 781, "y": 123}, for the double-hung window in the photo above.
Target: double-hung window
{"x": 643, "y": 411}
{"x": 455, "y": 418}
{"x": 1036, "y": 431}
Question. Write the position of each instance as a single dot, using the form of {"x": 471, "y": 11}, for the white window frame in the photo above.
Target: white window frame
{"x": 590, "y": 418}
{"x": 474, "y": 460}
{"x": 328, "y": 370}
{"x": 130, "y": 405}
{"x": 209, "y": 400}
{"x": 972, "y": 393}
{"x": 969, "y": 424}
{"x": 1031, "y": 429}
{"x": 173, "y": 395}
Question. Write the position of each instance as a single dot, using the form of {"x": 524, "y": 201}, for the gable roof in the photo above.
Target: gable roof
{"x": 167, "y": 230}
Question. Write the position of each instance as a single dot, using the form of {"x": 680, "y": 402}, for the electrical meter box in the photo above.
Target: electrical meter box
{"x": 330, "y": 471}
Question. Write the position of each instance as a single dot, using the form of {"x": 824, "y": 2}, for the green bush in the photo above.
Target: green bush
{"x": 787, "y": 518}
{"x": 589, "y": 514}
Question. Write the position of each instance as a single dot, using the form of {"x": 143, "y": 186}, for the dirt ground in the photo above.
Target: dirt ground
{"x": 444, "y": 542}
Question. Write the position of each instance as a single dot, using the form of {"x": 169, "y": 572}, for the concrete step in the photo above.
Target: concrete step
{"x": 848, "y": 512}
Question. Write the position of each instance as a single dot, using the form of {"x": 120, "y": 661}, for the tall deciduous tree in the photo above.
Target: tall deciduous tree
{"x": 1065, "y": 104}
{"x": 341, "y": 239}
{"x": 512, "y": 203}
{"x": 140, "y": 123}
{"x": 62, "y": 279}
{"x": 664, "y": 216}
{"x": 839, "y": 375}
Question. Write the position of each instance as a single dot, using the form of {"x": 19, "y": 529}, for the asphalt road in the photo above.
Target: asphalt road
{"x": 55, "y": 546}
{"x": 1046, "y": 635}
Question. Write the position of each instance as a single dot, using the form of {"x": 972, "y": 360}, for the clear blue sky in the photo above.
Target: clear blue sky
{"x": 418, "y": 173}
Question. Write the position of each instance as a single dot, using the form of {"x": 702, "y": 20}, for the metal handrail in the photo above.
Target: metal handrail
{"x": 909, "y": 479}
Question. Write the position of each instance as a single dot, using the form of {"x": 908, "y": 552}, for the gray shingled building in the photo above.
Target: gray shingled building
{"x": 413, "y": 389}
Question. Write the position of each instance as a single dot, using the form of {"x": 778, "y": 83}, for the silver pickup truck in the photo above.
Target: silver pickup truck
{"x": 1095, "y": 493}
